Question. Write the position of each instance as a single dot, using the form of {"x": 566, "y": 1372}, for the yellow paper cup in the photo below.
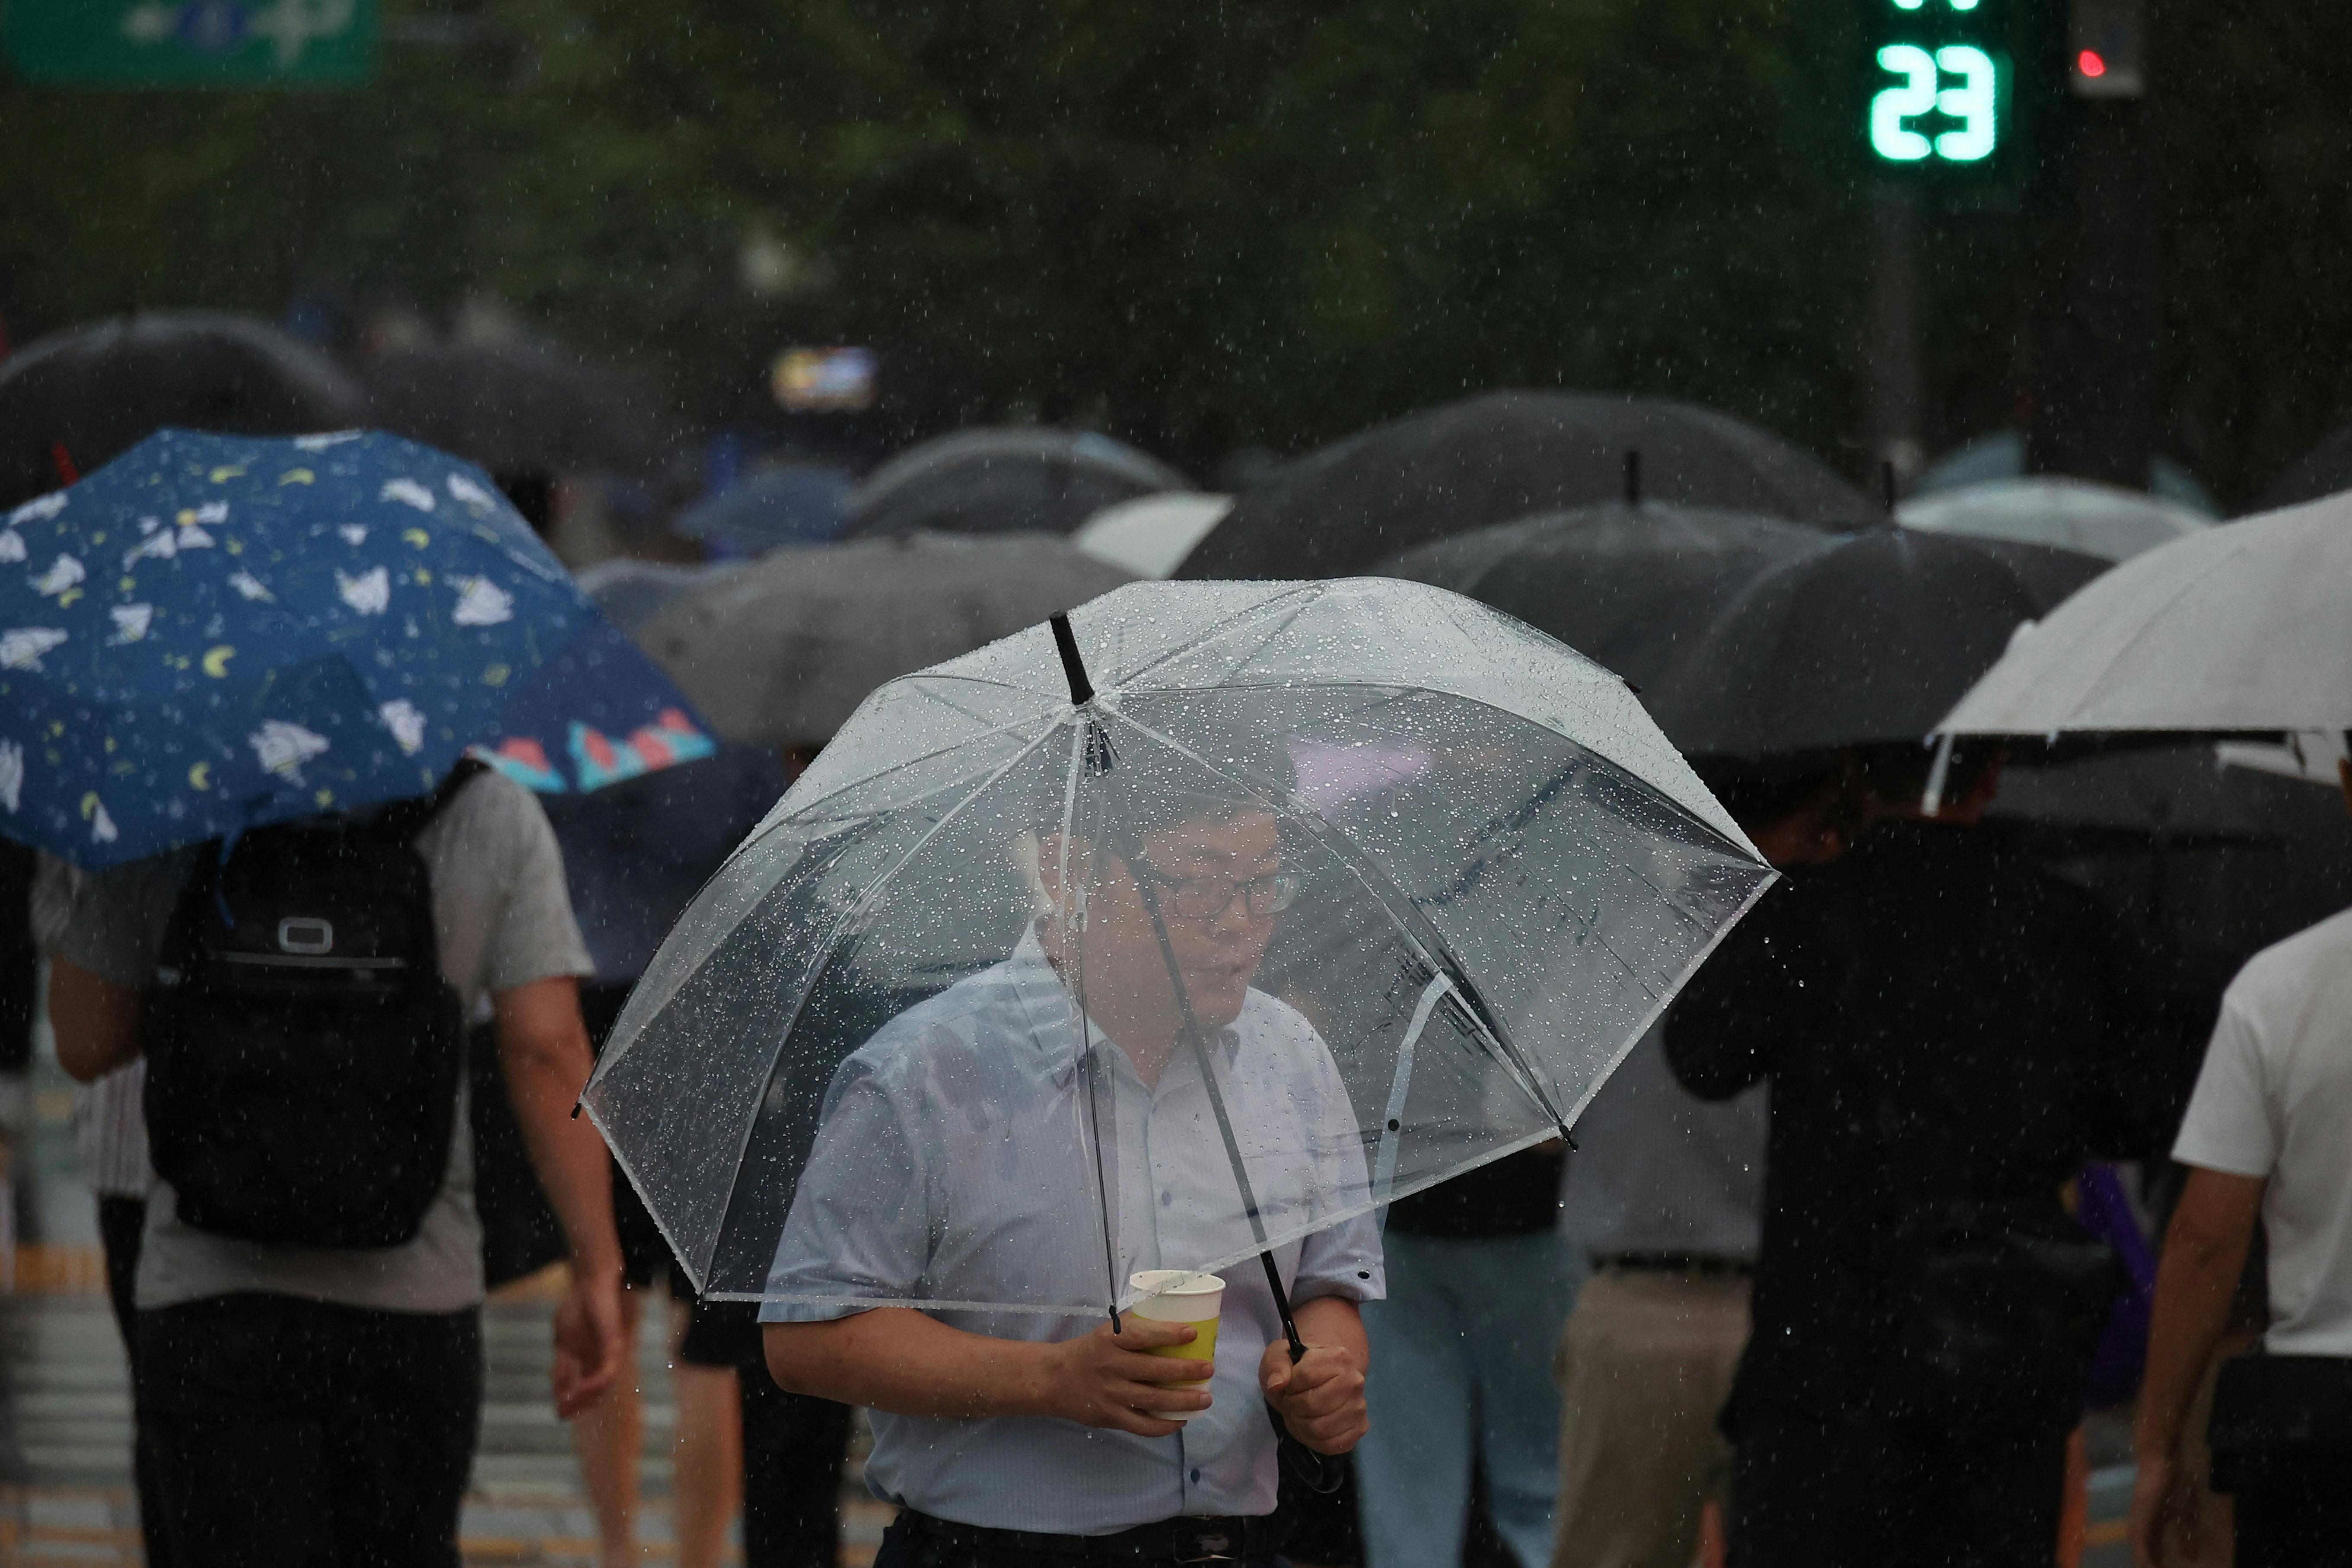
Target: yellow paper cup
{"x": 1180, "y": 1296}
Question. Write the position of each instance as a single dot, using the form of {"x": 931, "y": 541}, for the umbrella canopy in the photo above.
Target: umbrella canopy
{"x": 1381, "y": 881}
{"x": 215, "y": 632}
{"x": 629, "y": 590}
{"x": 1633, "y": 585}
{"x": 518, "y": 408}
{"x": 803, "y": 504}
{"x": 2089, "y": 519}
{"x": 1867, "y": 640}
{"x": 636, "y": 853}
{"x": 2325, "y": 471}
{"x": 91, "y": 393}
{"x": 594, "y": 714}
{"x": 2000, "y": 455}
{"x": 1004, "y": 481}
{"x": 1150, "y": 535}
{"x": 1506, "y": 455}
{"x": 780, "y": 652}
{"x": 2242, "y": 629}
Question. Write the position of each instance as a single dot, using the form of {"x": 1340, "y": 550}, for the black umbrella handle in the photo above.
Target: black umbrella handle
{"x": 1065, "y": 642}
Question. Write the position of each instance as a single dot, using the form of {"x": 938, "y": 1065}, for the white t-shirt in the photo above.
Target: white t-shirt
{"x": 2274, "y": 1100}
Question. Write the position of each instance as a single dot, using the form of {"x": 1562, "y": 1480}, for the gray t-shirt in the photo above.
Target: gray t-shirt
{"x": 503, "y": 919}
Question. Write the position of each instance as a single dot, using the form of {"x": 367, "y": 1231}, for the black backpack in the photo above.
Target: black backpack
{"x": 304, "y": 1050}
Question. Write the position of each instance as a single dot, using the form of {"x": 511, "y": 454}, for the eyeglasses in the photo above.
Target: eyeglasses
{"x": 1206, "y": 898}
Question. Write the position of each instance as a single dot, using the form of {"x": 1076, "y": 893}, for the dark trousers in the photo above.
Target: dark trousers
{"x": 2294, "y": 1517}
{"x": 906, "y": 1548}
{"x": 1834, "y": 1493}
{"x": 121, "y": 1221}
{"x": 794, "y": 1445}
{"x": 296, "y": 1432}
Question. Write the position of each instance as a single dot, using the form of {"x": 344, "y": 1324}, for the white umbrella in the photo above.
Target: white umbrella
{"x": 2103, "y": 521}
{"x": 1150, "y": 535}
{"x": 2243, "y": 627}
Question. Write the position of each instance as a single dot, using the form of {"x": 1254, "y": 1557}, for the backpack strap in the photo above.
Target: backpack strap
{"x": 404, "y": 819}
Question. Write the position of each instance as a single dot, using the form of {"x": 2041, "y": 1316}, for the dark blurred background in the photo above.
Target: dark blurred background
{"x": 1208, "y": 228}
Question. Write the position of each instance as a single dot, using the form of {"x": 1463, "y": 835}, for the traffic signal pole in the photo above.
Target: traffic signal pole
{"x": 1893, "y": 375}
{"x": 2098, "y": 308}
{"x": 1936, "y": 114}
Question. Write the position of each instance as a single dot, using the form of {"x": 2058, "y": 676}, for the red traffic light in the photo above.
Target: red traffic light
{"x": 2089, "y": 63}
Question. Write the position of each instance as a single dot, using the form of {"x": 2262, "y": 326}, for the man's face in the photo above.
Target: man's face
{"x": 1214, "y": 882}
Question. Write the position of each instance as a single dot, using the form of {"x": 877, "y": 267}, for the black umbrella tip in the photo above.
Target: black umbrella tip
{"x": 1887, "y": 484}
{"x": 1082, "y": 690}
{"x": 1633, "y": 476}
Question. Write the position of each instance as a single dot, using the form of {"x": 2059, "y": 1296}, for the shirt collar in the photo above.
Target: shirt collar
{"x": 1052, "y": 1015}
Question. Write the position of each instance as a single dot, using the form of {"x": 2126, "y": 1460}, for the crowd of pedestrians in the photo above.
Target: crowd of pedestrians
{"x": 1817, "y": 1280}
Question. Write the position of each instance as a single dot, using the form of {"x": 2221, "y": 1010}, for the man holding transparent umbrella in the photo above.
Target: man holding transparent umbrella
{"x": 1031, "y": 990}
{"x": 1006, "y": 1435}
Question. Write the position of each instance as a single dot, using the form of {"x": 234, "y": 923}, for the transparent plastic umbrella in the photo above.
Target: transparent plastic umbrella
{"x": 1315, "y": 895}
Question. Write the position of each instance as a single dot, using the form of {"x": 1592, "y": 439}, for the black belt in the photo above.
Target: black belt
{"x": 1708, "y": 1263}
{"x": 1187, "y": 1538}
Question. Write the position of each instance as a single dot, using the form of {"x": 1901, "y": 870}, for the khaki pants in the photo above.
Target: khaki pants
{"x": 1645, "y": 1364}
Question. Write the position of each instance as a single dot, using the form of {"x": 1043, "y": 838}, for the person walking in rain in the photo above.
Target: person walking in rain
{"x": 2265, "y": 1142}
{"x": 1007, "y": 1436}
{"x": 1947, "y": 1034}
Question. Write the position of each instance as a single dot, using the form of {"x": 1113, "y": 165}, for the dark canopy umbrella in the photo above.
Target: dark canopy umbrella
{"x": 803, "y": 504}
{"x": 1632, "y": 587}
{"x": 635, "y": 853}
{"x": 2322, "y": 472}
{"x": 85, "y": 397}
{"x": 518, "y": 408}
{"x": 1505, "y": 455}
{"x": 1867, "y": 640}
{"x": 1004, "y": 481}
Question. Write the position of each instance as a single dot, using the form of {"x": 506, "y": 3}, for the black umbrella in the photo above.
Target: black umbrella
{"x": 1868, "y": 640}
{"x": 1004, "y": 481}
{"x": 518, "y": 408}
{"x": 74, "y": 400}
{"x": 1631, "y": 585}
{"x": 2322, "y": 472}
{"x": 1506, "y": 455}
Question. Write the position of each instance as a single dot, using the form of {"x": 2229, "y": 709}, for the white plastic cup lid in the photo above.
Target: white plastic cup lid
{"x": 1175, "y": 1282}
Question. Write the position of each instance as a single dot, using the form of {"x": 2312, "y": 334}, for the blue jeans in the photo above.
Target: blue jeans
{"x": 1461, "y": 1357}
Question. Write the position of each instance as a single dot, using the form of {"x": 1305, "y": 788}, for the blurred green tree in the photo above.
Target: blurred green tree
{"x": 1198, "y": 226}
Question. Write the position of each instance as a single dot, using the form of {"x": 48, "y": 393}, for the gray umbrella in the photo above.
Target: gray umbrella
{"x": 1004, "y": 481}
{"x": 781, "y": 652}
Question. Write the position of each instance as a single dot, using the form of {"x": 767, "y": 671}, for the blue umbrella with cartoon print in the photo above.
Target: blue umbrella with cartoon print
{"x": 211, "y": 633}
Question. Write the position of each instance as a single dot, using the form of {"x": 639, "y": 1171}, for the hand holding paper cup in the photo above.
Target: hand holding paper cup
{"x": 1180, "y": 1296}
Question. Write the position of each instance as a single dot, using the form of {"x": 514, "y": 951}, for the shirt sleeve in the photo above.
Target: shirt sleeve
{"x": 1344, "y": 1260}
{"x": 115, "y": 924}
{"x": 1765, "y": 984}
{"x": 860, "y": 1223}
{"x": 534, "y": 936}
{"x": 2229, "y": 1127}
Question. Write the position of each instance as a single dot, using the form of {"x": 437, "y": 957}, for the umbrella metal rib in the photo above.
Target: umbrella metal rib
{"x": 1304, "y": 1462}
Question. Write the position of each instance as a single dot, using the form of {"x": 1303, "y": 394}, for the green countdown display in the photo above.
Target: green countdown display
{"x": 1939, "y": 85}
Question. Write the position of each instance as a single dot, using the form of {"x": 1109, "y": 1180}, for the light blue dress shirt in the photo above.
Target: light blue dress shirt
{"x": 952, "y": 1165}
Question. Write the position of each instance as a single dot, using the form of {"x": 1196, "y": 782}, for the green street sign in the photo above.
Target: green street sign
{"x": 1938, "y": 92}
{"x": 190, "y": 43}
